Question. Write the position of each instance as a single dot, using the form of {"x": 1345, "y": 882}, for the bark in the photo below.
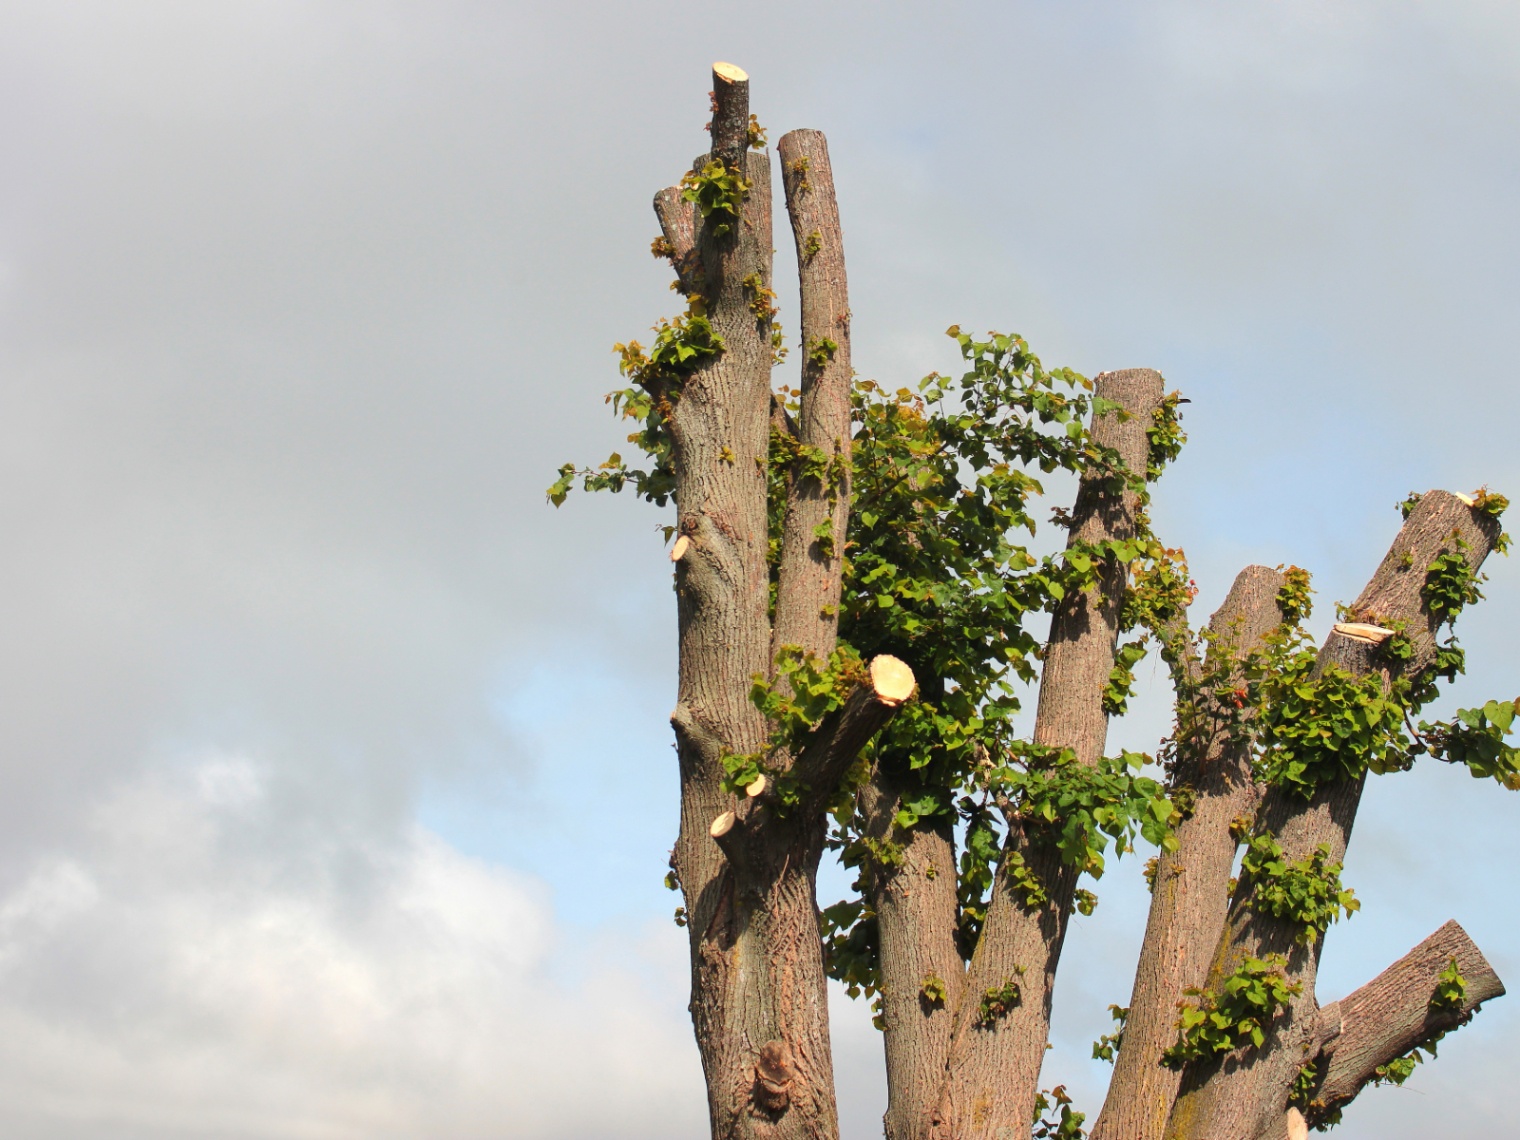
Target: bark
{"x": 1392, "y": 1014}
{"x": 678, "y": 224}
{"x": 807, "y": 597}
{"x": 994, "y": 1068}
{"x": 1245, "y": 1094}
{"x": 759, "y": 1003}
{"x": 1191, "y": 884}
{"x": 730, "y": 115}
{"x": 914, "y": 899}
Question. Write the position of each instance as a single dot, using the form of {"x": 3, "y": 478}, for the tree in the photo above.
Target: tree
{"x": 854, "y": 588}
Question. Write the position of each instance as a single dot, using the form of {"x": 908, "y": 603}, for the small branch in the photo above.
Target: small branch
{"x": 730, "y": 121}
{"x": 837, "y": 741}
{"x": 678, "y": 224}
{"x": 1392, "y": 1014}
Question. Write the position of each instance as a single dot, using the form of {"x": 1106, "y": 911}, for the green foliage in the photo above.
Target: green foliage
{"x": 761, "y": 300}
{"x": 1296, "y": 598}
{"x": 997, "y": 1002}
{"x": 1476, "y": 738}
{"x": 799, "y": 168}
{"x": 1121, "y": 681}
{"x": 932, "y": 990}
{"x": 1450, "y": 992}
{"x": 718, "y": 194}
{"x": 1319, "y": 728}
{"x": 1077, "y": 808}
{"x": 851, "y": 943}
{"x": 1165, "y": 435}
{"x": 1105, "y": 1047}
{"x": 821, "y": 350}
{"x": 1450, "y": 584}
{"x": 756, "y": 134}
{"x": 1237, "y": 1015}
{"x": 812, "y": 245}
{"x": 1307, "y": 891}
{"x": 1067, "y": 1124}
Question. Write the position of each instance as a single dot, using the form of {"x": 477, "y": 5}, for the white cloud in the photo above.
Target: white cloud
{"x": 163, "y": 983}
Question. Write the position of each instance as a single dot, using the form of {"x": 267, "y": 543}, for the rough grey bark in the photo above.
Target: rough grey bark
{"x": 1245, "y": 1094}
{"x": 994, "y": 1068}
{"x": 1392, "y": 1014}
{"x": 807, "y": 594}
{"x": 1191, "y": 885}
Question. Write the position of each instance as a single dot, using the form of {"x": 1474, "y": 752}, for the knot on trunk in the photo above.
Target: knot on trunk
{"x": 773, "y": 1077}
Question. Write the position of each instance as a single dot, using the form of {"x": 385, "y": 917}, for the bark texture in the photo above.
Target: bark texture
{"x": 994, "y": 1067}
{"x": 759, "y": 1004}
{"x": 1191, "y": 885}
{"x": 916, "y": 913}
{"x": 1393, "y": 1014}
{"x": 818, "y": 508}
{"x": 1244, "y": 1094}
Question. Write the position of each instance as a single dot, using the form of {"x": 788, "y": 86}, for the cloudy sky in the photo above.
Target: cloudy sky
{"x": 335, "y": 784}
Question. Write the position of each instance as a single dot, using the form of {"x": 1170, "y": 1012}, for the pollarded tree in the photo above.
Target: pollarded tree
{"x": 854, "y": 594}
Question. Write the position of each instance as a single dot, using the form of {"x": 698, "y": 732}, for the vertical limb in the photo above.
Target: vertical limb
{"x": 913, "y": 892}
{"x": 994, "y": 1066}
{"x": 1191, "y": 885}
{"x": 818, "y": 496}
{"x": 759, "y": 999}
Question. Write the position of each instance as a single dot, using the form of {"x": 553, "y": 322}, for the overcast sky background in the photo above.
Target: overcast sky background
{"x": 335, "y": 786}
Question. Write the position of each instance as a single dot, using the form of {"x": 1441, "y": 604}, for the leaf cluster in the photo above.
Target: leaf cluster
{"x": 1107, "y": 1046}
{"x": 1234, "y": 1017}
{"x": 1307, "y": 891}
{"x": 718, "y": 193}
{"x": 1065, "y": 1125}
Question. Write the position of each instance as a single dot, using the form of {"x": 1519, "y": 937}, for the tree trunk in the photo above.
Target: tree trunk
{"x": 1245, "y": 1094}
{"x": 994, "y": 1066}
{"x": 1190, "y": 887}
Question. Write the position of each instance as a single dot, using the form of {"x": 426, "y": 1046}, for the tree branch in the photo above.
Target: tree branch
{"x": 1393, "y": 1014}
{"x": 1247, "y": 1095}
{"x": 730, "y": 120}
{"x": 993, "y": 1072}
{"x": 818, "y": 501}
{"x": 1190, "y": 887}
{"x": 678, "y": 224}
{"x": 833, "y": 746}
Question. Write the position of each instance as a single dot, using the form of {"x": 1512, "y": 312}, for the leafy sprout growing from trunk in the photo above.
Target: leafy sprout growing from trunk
{"x": 857, "y": 586}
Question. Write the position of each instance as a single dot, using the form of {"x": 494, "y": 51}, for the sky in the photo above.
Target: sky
{"x": 335, "y": 779}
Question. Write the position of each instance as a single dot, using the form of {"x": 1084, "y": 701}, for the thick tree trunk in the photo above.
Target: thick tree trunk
{"x": 759, "y": 1002}
{"x": 1191, "y": 885}
{"x": 1244, "y": 1095}
{"x": 994, "y": 1066}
